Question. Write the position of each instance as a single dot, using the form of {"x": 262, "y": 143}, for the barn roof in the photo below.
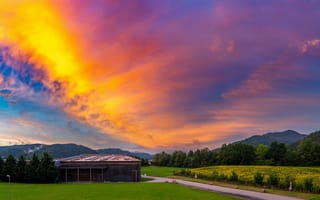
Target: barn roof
{"x": 99, "y": 158}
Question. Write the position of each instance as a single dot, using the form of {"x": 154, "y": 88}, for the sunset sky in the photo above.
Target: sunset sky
{"x": 157, "y": 74}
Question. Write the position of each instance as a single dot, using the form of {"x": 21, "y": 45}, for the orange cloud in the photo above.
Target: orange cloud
{"x": 110, "y": 67}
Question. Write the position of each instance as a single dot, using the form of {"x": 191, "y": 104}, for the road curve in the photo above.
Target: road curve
{"x": 245, "y": 194}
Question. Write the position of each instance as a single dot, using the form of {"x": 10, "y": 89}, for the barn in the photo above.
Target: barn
{"x": 99, "y": 168}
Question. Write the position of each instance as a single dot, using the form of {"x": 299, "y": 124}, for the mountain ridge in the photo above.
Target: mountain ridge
{"x": 287, "y": 137}
{"x": 63, "y": 150}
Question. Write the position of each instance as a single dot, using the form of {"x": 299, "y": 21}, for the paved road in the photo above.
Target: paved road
{"x": 245, "y": 194}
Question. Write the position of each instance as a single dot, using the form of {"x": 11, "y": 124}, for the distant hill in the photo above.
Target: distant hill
{"x": 120, "y": 151}
{"x": 63, "y": 150}
{"x": 17, "y": 150}
{"x": 287, "y": 137}
{"x": 313, "y": 138}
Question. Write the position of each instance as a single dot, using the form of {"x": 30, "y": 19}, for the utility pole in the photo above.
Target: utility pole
{"x": 8, "y": 176}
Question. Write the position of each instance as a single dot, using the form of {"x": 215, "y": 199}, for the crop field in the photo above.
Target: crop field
{"x": 116, "y": 191}
{"x": 302, "y": 178}
{"x": 159, "y": 171}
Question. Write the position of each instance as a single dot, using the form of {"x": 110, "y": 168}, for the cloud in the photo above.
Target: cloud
{"x": 315, "y": 43}
{"x": 158, "y": 75}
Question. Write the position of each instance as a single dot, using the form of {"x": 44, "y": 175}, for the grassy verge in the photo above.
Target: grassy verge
{"x": 159, "y": 171}
{"x": 116, "y": 191}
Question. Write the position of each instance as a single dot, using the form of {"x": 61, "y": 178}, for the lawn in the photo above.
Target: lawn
{"x": 116, "y": 191}
{"x": 159, "y": 171}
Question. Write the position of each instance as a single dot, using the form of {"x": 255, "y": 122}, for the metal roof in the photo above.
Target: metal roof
{"x": 99, "y": 158}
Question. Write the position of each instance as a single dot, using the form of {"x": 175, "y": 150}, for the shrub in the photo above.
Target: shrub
{"x": 258, "y": 178}
{"x": 308, "y": 184}
{"x": 273, "y": 180}
{"x": 284, "y": 184}
{"x": 215, "y": 175}
{"x": 223, "y": 177}
{"x": 233, "y": 177}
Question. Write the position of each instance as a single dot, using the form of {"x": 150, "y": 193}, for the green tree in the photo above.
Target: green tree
{"x": 178, "y": 158}
{"x": 261, "y": 152}
{"x": 162, "y": 159}
{"x": 189, "y": 160}
{"x": 277, "y": 153}
{"x": 237, "y": 154}
{"x": 10, "y": 167}
{"x": 196, "y": 158}
{"x": 309, "y": 152}
{"x": 32, "y": 172}
{"x": 47, "y": 171}
{"x": 205, "y": 157}
{"x": 1, "y": 168}
{"x": 21, "y": 169}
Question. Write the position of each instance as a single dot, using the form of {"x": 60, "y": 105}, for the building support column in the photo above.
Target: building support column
{"x": 78, "y": 174}
{"x": 102, "y": 175}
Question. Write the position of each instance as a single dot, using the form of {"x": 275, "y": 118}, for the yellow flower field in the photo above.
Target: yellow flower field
{"x": 298, "y": 175}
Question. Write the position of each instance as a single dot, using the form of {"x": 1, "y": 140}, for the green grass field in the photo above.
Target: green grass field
{"x": 159, "y": 171}
{"x": 116, "y": 191}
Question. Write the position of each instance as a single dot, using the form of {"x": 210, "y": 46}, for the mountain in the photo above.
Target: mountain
{"x": 17, "y": 150}
{"x": 63, "y": 150}
{"x": 313, "y": 138}
{"x": 287, "y": 137}
{"x": 120, "y": 151}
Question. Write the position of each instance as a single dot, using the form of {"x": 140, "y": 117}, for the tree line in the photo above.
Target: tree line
{"x": 36, "y": 170}
{"x": 306, "y": 154}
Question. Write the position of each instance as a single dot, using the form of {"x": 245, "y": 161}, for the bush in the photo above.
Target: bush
{"x": 308, "y": 184}
{"x": 233, "y": 177}
{"x": 285, "y": 184}
{"x": 223, "y": 177}
{"x": 258, "y": 178}
{"x": 273, "y": 180}
{"x": 215, "y": 175}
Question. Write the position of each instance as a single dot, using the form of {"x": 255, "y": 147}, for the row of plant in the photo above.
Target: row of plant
{"x": 36, "y": 170}
{"x": 287, "y": 178}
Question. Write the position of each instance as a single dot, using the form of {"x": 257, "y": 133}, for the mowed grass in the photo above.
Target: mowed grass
{"x": 116, "y": 191}
{"x": 159, "y": 171}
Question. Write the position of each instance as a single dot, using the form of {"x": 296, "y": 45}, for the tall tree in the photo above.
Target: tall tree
{"x": 237, "y": 154}
{"x": 32, "y": 172}
{"x": 1, "y": 168}
{"x": 196, "y": 158}
{"x": 277, "y": 153}
{"x": 309, "y": 152}
{"x": 47, "y": 171}
{"x": 180, "y": 156}
{"x": 261, "y": 152}
{"x": 10, "y": 167}
{"x": 205, "y": 157}
{"x": 189, "y": 160}
{"x": 21, "y": 169}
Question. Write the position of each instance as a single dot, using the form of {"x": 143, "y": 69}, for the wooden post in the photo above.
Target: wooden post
{"x": 66, "y": 175}
{"x": 90, "y": 175}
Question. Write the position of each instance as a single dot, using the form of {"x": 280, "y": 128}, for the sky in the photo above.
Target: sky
{"x": 157, "y": 75}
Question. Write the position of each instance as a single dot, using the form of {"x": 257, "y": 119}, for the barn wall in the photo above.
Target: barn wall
{"x": 128, "y": 172}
